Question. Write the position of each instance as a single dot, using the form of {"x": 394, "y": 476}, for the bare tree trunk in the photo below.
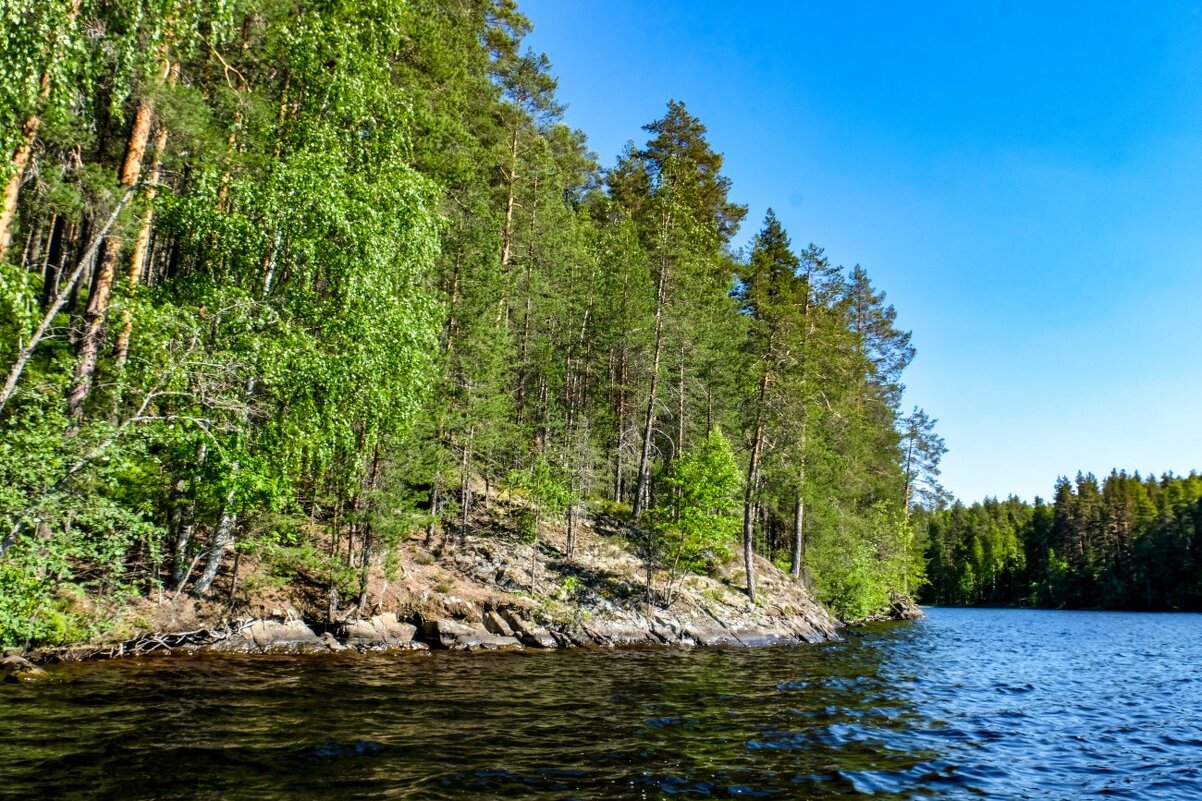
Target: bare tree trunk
{"x": 223, "y": 537}
{"x": 98, "y": 300}
{"x": 510, "y": 202}
{"x": 619, "y": 465}
{"x": 465, "y": 490}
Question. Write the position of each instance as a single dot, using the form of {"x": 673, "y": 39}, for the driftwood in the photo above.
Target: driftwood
{"x": 150, "y": 643}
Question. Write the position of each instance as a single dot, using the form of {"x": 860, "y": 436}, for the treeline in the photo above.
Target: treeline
{"x": 296, "y": 279}
{"x": 1129, "y": 543}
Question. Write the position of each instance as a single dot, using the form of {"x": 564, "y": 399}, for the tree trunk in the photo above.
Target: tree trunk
{"x": 53, "y": 271}
{"x": 222, "y": 538}
{"x": 510, "y": 202}
{"x": 465, "y": 489}
{"x": 24, "y": 353}
{"x": 798, "y": 537}
{"x": 434, "y": 502}
{"x": 18, "y": 164}
{"x": 98, "y": 300}
{"x": 29, "y": 134}
{"x": 680, "y": 406}
{"x": 571, "y": 547}
{"x": 640, "y": 488}
{"x": 365, "y": 558}
{"x": 185, "y": 518}
{"x": 749, "y": 505}
{"x": 137, "y": 262}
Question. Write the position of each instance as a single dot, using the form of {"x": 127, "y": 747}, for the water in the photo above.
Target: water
{"x": 966, "y": 704}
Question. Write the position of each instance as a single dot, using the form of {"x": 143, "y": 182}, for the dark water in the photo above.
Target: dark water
{"x": 969, "y": 703}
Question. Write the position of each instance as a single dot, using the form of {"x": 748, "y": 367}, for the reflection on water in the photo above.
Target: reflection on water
{"x": 969, "y": 703}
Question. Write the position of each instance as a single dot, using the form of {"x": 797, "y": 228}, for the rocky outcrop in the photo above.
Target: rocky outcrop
{"x": 527, "y": 632}
{"x": 491, "y": 593}
{"x": 904, "y": 608}
{"x": 270, "y": 636}
{"x": 380, "y": 633}
{"x": 457, "y": 636}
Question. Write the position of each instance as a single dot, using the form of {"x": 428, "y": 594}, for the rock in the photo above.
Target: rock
{"x": 496, "y": 625}
{"x": 272, "y": 636}
{"x": 18, "y": 668}
{"x": 712, "y": 635}
{"x": 539, "y": 638}
{"x": 527, "y": 632}
{"x": 904, "y": 608}
{"x": 670, "y": 631}
{"x": 563, "y": 639}
{"x": 445, "y": 629}
{"x": 762, "y": 637}
{"x": 455, "y": 636}
{"x": 381, "y": 632}
{"x": 511, "y": 617}
{"x": 332, "y": 643}
{"x": 613, "y": 632}
{"x": 489, "y": 642}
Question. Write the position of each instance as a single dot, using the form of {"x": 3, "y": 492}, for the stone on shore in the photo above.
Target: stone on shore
{"x": 382, "y": 632}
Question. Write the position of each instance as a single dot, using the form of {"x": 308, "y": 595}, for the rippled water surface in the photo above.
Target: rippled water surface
{"x": 968, "y": 703}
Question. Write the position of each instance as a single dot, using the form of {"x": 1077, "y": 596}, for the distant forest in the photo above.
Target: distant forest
{"x": 1130, "y": 543}
{"x": 299, "y": 280}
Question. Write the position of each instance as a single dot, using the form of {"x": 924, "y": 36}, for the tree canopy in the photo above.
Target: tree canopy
{"x": 295, "y": 279}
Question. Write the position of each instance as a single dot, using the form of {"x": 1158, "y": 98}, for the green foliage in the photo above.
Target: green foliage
{"x": 380, "y": 273}
{"x": 696, "y": 518}
{"x": 547, "y": 489}
{"x": 72, "y": 512}
{"x": 1127, "y": 543}
{"x": 864, "y": 560}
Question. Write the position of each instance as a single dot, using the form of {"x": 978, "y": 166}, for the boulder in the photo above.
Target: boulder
{"x": 497, "y": 625}
{"x": 527, "y": 632}
{"x": 331, "y": 642}
{"x": 456, "y": 636}
{"x": 381, "y": 632}
{"x": 272, "y": 636}
{"x": 904, "y": 608}
{"x": 18, "y": 668}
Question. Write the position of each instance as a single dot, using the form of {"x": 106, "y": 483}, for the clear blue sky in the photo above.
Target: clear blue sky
{"x": 1024, "y": 180}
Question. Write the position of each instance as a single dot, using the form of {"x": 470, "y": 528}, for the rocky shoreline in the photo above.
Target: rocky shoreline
{"x": 500, "y": 629}
{"x": 485, "y": 593}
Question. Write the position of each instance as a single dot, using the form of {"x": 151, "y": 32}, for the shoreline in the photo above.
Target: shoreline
{"x": 481, "y": 593}
{"x": 386, "y": 634}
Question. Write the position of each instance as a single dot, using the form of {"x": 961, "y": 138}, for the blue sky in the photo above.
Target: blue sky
{"x": 1024, "y": 180}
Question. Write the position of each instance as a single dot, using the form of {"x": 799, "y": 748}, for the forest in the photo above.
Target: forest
{"x": 1126, "y": 543}
{"x": 304, "y": 279}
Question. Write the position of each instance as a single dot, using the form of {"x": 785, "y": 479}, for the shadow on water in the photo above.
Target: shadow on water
{"x": 965, "y": 704}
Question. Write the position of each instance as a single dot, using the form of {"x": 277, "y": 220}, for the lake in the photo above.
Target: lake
{"x": 967, "y": 703}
